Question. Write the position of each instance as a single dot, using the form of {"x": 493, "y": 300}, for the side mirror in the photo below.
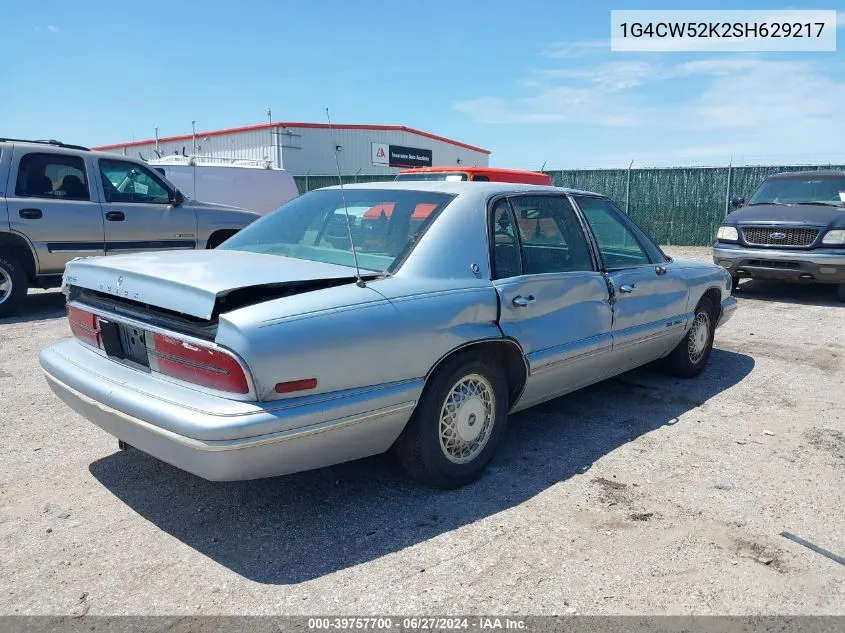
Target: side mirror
{"x": 177, "y": 198}
{"x": 736, "y": 203}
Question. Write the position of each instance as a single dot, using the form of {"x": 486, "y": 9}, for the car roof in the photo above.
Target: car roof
{"x": 471, "y": 170}
{"x": 820, "y": 173}
{"x": 464, "y": 187}
{"x": 64, "y": 148}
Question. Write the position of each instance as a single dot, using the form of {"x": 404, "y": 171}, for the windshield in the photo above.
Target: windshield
{"x": 807, "y": 189}
{"x": 433, "y": 175}
{"x": 385, "y": 224}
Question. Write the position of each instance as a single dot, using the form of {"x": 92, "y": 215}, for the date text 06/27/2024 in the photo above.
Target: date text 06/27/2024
{"x": 491, "y": 623}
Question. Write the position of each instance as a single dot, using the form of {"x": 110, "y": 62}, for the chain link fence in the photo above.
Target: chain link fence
{"x": 677, "y": 206}
{"x": 309, "y": 183}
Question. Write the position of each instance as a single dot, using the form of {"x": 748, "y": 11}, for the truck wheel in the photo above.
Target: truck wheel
{"x": 734, "y": 283}
{"x": 216, "y": 239}
{"x": 13, "y": 285}
{"x": 457, "y": 424}
{"x": 689, "y": 358}
{"x": 840, "y": 294}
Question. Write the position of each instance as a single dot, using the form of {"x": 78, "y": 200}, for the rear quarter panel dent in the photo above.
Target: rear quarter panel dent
{"x": 352, "y": 346}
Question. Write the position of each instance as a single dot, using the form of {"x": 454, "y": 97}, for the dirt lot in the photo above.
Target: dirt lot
{"x": 640, "y": 495}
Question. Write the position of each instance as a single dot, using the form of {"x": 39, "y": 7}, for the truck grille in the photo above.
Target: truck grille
{"x": 779, "y": 236}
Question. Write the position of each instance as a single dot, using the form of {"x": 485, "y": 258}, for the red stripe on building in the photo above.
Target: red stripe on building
{"x": 267, "y": 126}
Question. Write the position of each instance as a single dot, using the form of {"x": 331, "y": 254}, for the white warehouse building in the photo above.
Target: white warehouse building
{"x": 308, "y": 148}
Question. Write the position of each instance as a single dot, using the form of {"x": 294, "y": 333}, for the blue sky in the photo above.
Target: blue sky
{"x": 533, "y": 82}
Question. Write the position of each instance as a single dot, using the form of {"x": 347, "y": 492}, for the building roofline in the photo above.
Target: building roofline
{"x": 286, "y": 124}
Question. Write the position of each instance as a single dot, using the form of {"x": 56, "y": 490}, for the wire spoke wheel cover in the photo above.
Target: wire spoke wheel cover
{"x": 699, "y": 336}
{"x": 467, "y": 418}
{"x": 5, "y": 284}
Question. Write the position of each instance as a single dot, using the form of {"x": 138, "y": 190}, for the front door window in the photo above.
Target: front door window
{"x": 130, "y": 182}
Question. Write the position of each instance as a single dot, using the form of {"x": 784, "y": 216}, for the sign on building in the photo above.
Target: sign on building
{"x": 385, "y": 155}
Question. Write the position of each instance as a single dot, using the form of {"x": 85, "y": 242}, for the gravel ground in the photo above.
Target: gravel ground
{"x": 641, "y": 495}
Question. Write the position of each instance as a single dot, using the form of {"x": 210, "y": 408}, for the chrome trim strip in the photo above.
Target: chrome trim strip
{"x": 577, "y": 357}
{"x": 247, "y": 442}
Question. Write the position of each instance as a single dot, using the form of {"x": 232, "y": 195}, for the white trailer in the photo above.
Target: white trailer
{"x": 249, "y": 184}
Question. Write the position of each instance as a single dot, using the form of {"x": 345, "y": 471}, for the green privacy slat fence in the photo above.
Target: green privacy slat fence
{"x": 309, "y": 183}
{"x": 680, "y": 206}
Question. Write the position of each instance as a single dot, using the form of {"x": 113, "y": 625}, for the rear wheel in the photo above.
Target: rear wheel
{"x": 458, "y": 423}
{"x": 840, "y": 292}
{"x": 689, "y": 358}
{"x": 13, "y": 285}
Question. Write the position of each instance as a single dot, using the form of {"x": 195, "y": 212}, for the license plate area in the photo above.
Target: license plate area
{"x": 124, "y": 342}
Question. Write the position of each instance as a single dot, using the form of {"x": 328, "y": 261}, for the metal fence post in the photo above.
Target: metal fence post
{"x": 728, "y": 189}
{"x": 628, "y": 187}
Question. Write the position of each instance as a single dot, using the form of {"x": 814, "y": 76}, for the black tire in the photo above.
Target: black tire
{"x": 688, "y": 360}
{"x": 734, "y": 283}
{"x": 840, "y": 292}
{"x": 419, "y": 448}
{"x": 13, "y": 284}
{"x": 217, "y": 239}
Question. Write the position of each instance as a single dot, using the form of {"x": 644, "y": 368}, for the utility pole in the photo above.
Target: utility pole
{"x": 194, "y": 136}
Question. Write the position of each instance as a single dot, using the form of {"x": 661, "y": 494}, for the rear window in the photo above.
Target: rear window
{"x": 384, "y": 225}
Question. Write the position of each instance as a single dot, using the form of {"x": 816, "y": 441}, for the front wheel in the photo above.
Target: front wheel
{"x": 840, "y": 292}
{"x": 458, "y": 423}
{"x": 689, "y": 358}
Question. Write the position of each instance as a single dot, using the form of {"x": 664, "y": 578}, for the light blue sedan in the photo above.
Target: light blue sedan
{"x": 287, "y": 349}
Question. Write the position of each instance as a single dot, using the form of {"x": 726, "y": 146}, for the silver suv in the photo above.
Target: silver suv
{"x": 59, "y": 202}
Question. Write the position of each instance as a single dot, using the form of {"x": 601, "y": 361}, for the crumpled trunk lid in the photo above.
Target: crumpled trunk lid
{"x": 202, "y": 284}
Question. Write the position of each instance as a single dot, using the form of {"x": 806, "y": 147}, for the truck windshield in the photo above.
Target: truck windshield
{"x": 433, "y": 175}
{"x": 384, "y": 224}
{"x": 807, "y": 189}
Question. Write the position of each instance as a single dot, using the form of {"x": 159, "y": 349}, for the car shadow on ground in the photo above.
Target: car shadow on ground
{"x": 800, "y": 294}
{"x": 38, "y": 306}
{"x": 299, "y": 527}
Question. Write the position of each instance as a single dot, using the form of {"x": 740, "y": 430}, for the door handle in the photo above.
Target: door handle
{"x": 30, "y": 214}
{"x": 521, "y": 302}
{"x": 660, "y": 270}
{"x": 627, "y": 288}
{"x": 115, "y": 216}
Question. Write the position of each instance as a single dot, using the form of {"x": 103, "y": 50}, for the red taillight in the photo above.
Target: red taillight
{"x": 84, "y": 326}
{"x": 197, "y": 364}
{"x": 296, "y": 385}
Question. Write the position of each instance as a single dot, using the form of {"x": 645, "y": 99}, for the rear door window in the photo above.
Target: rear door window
{"x": 550, "y": 234}
{"x": 618, "y": 242}
{"x": 46, "y": 175}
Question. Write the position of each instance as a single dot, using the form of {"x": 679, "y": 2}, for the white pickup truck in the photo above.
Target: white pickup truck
{"x": 59, "y": 202}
